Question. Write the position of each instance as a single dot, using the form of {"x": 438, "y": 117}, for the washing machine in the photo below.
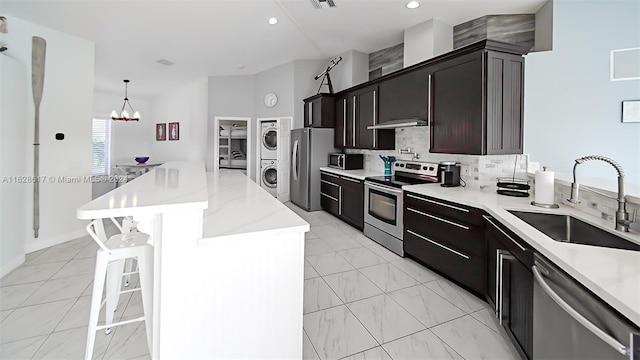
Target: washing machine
{"x": 269, "y": 141}
{"x": 269, "y": 176}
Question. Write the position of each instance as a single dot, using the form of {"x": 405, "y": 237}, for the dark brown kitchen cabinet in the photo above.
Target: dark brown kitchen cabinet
{"x": 343, "y": 197}
{"x": 477, "y": 104}
{"x": 510, "y": 284}
{"x": 343, "y": 122}
{"x": 355, "y": 111}
{"x": 405, "y": 96}
{"x": 353, "y": 201}
{"x": 319, "y": 111}
{"x": 447, "y": 237}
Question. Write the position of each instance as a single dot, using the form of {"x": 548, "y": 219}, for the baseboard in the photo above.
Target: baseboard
{"x": 45, "y": 243}
{"x": 11, "y": 265}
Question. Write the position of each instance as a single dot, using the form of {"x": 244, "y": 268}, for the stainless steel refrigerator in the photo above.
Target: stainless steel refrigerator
{"x": 310, "y": 148}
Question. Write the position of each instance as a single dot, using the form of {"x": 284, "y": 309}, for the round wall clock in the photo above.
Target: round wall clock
{"x": 270, "y": 100}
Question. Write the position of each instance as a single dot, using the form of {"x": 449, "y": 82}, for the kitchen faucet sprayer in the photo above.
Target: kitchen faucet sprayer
{"x": 622, "y": 216}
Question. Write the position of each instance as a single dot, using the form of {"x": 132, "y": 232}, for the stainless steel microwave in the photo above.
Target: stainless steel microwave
{"x": 346, "y": 161}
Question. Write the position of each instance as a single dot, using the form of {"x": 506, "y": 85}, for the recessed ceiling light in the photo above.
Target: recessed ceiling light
{"x": 273, "y": 21}
{"x": 413, "y": 4}
{"x": 241, "y": 66}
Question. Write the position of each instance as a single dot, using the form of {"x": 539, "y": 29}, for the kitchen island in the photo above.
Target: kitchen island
{"x": 228, "y": 262}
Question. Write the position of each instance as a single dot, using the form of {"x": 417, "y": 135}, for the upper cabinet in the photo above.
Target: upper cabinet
{"x": 477, "y": 104}
{"x": 405, "y": 96}
{"x": 472, "y": 98}
{"x": 319, "y": 111}
{"x": 355, "y": 111}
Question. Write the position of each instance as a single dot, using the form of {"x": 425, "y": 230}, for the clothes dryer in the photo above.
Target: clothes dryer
{"x": 269, "y": 176}
{"x": 269, "y": 141}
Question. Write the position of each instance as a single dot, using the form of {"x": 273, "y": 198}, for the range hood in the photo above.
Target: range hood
{"x": 399, "y": 123}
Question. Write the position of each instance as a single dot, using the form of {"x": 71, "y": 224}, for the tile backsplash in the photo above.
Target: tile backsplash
{"x": 482, "y": 170}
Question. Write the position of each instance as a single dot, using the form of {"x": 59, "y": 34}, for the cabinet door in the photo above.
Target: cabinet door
{"x": 457, "y": 106}
{"x": 510, "y": 288}
{"x": 341, "y": 122}
{"x": 405, "y": 96}
{"x": 352, "y": 203}
{"x": 505, "y": 103}
{"x": 367, "y": 115}
{"x": 517, "y": 303}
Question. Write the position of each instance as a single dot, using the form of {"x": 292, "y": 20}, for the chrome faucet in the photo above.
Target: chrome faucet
{"x": 407, "y": 151}
{"x": 622, "y": 216}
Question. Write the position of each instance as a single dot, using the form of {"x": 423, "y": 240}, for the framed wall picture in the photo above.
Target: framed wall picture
{"x": 161, "y": 132}
{"x": 174, "y": 131}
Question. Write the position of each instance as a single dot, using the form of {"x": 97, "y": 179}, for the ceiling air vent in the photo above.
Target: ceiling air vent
{"x": 319, "y": 4}
{"x": 165, "y": 62}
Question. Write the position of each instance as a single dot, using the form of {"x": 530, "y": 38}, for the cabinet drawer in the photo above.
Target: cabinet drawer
{"x": 330, "y": 205}
{"x": 463, "y": 236}
{"x": 445, "y": 208}
{"x": 330, "y": 188}
{"x": 463, "y": 267}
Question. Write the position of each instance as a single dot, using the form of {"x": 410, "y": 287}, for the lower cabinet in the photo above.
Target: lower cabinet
{"x": 343, "y": 197}
{"x": 510, "y": 284}
{"x": 446, "y": 237}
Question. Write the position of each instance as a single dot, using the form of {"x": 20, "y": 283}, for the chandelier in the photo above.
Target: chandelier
{"x": 124, "y": 114}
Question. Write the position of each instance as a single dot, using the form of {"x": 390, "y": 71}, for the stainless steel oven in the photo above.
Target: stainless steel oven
{"x": 383, "y": 215}
{"x": 383, "y": 201}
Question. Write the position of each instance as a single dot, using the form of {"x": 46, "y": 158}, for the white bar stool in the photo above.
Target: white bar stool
{"x": 110, "y": 262}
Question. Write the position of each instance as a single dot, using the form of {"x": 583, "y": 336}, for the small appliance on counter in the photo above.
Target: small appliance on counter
{"x": 449, "y": 174}
{"x": 346, "y": 161}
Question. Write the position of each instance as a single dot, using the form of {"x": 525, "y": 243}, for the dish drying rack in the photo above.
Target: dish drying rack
{"x": 512, "y": 186}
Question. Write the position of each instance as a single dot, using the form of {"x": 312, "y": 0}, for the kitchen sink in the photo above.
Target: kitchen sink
{"x": 566, "y": 228}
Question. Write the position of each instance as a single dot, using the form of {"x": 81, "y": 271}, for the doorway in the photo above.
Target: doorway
{"x": 232, "y": 148}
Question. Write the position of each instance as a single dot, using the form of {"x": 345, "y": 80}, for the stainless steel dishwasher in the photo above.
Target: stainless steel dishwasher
{"x": 569, "y": 322}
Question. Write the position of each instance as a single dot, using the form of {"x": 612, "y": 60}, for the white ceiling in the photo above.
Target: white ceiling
{"x": 214, "y": 37}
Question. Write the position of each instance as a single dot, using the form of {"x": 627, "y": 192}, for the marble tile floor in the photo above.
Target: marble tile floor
{"x": 360, "y": 302}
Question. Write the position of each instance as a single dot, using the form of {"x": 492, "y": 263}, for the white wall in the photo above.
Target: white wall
{"x": 230, "y": 96}
{"x": 304, "y": 85}
{"x": 427, "y": 40}
{"x": 129, "y": 139}
{"x": 571, "y": 107}
{"x": 187, "y": 105}
{"x": 67, "y": 108}
{"x": 13, "y": 132}
{"x": 351, "y": 71}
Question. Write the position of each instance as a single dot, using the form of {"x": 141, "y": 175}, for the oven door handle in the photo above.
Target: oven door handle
{"x": 384, "y": 188}
{"x": 611, "y": 341}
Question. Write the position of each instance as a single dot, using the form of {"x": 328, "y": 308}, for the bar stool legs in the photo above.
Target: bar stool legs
{"x": 110, "y": 263}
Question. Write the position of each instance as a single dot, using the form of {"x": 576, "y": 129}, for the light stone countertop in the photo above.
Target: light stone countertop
{"x": 171, "y": 186}
{"x": 612, "y": 274}
{"x": 238, "y": 207}
{"x": 359, "y": 174}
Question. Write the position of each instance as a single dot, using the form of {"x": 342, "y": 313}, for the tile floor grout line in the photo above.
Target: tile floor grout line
{"x": 304, "y": 333}
{"x": 451, "y": 347}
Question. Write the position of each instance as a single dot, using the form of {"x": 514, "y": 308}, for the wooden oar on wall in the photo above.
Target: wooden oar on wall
{"x": 38, "y": 52}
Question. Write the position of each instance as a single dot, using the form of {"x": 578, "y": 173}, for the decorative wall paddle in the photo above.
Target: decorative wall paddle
{"x": 38, "y": 52}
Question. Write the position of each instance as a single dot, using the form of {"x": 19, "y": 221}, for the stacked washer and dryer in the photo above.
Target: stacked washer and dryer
{"x": 269, "y": 157}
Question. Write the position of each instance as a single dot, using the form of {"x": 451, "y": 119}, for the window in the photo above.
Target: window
{"x": 101, "y": 136}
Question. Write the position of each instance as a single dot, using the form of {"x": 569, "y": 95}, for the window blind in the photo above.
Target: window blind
{"x": 101, "y": 137}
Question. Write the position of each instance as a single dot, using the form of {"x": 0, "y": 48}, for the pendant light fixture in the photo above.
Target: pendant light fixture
{"x": 124, "y": 114}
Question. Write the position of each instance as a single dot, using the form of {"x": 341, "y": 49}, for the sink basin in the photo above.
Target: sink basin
{"x": 566, "y": 228}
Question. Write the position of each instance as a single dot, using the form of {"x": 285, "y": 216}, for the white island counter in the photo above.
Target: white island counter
{"x": 228, "y": 280}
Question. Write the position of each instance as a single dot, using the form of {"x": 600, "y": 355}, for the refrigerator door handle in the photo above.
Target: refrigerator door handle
{"x": 295, "y": 157}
